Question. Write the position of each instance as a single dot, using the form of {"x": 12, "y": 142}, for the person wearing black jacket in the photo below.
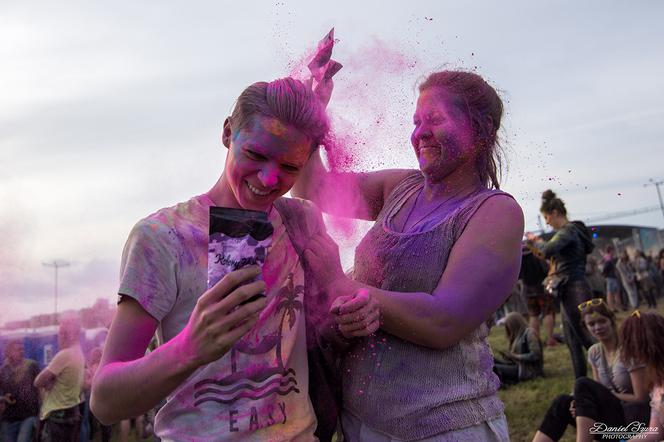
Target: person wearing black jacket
{"x": 567, "y": 251}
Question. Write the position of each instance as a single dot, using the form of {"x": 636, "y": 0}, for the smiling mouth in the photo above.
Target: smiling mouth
{"x": 257, "y": 191}
{"x": 429, "y": 148}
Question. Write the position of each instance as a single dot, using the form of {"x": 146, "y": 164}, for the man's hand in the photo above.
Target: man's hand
{"x": 357, "y": 315}
{"x": 218, "y": 321}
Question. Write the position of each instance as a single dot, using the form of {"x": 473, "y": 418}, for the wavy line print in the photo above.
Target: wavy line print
{"x": 247, "y": 395}
{"x": 281, "y": 382}
{"x": 241, "y": 376}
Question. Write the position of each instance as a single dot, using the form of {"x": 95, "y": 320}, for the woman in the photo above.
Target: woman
{"x": 524, "y": 360}
{"x": 615, "y": 396}
{"x": 233, "y": 365}
{"x": 641, "y": 339}
{"x": 567, "y": 251}
{"x": 434, "y": 227}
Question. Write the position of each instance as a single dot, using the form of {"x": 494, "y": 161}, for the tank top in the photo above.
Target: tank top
{"x": 404, "y": 389}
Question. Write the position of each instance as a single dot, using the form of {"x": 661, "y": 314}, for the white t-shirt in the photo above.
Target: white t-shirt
{"x": 257, "y": 391}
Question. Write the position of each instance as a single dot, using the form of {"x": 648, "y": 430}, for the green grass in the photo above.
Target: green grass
{"x": 526, "y": 403}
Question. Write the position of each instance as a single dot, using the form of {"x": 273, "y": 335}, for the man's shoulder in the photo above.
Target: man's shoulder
{"x": 171, "y": 219}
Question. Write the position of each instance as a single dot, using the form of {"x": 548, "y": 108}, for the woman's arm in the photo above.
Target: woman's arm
{"x": 348, "y": 194}
{"x": 129, "y": 383}
{"x": 639, "y": 386}
{"x": 482, "y": 269}
{"x": 560, "y": 240}
{"x": 655, "y": 436}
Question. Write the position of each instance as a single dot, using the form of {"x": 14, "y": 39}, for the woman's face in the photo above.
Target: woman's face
{"x": 264, "y": 160}
{"x": 600, "y": 327}
{"x": 553, "y": 219}
{"x": 443, "y": 136}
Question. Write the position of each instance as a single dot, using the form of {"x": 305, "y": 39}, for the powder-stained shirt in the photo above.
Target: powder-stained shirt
{"x": 614, "y": 377}
{"x": 258, "y": 390}
{"x": 68, "y": 367}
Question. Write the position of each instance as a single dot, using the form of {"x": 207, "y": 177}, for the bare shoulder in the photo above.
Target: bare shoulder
{"x": 498, "y": 215}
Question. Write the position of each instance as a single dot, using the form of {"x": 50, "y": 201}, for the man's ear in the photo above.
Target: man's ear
{"x": 226, "y": 133}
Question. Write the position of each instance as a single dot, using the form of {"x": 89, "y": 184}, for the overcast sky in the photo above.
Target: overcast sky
{"x": 109, "y": 111}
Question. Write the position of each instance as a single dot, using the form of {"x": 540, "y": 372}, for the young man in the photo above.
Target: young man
{"x": 228, "y": 371}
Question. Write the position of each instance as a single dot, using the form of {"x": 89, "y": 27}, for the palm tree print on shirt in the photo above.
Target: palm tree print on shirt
{"x": 266, "y": 380}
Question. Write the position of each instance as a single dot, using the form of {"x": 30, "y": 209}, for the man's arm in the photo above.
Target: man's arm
{"x": 46, "y": 379}
{"x": 129, "y": 383}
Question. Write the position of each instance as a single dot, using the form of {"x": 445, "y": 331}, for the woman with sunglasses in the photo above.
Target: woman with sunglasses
{"x": 641, "y": 338}
{"x": 617, "y": 394}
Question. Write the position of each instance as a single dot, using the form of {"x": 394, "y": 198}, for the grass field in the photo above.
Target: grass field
{"x": 526, "y": 403}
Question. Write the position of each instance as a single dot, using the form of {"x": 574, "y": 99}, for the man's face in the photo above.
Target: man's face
{"x": 264, "y": 161}
{"x": 15, "y": 352}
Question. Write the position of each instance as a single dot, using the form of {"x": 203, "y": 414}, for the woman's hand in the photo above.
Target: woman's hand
{"x": 323, "y": 68}
{"x": 218, "y": 320}
{"x": 357, "y": 315}
{"x": 322, "y": 260}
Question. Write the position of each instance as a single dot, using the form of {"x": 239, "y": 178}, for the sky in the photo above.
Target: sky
{"x": 109, "y": 112}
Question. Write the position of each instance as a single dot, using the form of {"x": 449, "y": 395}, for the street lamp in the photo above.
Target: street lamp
{"x": 56, "y": 264}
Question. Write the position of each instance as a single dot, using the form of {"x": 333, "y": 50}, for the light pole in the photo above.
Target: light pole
{"x": 56, "y": 264}
{"x": 659, "y": 194}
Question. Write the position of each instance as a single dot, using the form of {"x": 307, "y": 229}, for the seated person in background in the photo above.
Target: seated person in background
{"x": 616, "y": 396}
{"x": 524, "y": 359}
{"x": 641, "y": 339}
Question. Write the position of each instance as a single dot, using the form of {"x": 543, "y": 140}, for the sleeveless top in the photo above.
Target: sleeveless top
{"x": 404, "y": 389}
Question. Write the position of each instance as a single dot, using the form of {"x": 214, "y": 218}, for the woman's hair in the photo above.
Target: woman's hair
{"x": 287, "y": 100}
{"x": 551, "y": 202}
{"x": 515, "y": 324}
{"x": 641, "y": 340}
{"x": 603, "y": 310}
{"x": 485, "y": 110}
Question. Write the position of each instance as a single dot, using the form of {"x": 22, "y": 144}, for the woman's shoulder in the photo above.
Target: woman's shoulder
{"x": 495, "y": 208}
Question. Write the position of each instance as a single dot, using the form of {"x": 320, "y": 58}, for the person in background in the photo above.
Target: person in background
{"x": 17, "y": 376}
{"x": 610, "y": 274}
{"x": 628, "y": 278}
{"x": 595, "y": 278}
{"x": 644, "y": 279}
{"x": 567, "y": 251}
{"x": 524, "y": 359}
{"x": 540, "y": 303}
{"x": 617, "y": 394}
{"x": 91, "y": 368}
{"x": 62, "y": 382}
{"x": 641, "y": 340}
